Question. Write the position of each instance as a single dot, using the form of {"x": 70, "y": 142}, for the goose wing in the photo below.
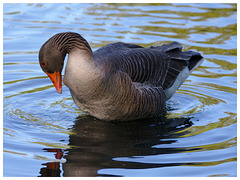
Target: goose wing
{"x": 153, "y": 66}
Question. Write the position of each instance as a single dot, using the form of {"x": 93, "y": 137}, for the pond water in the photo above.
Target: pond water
{"x": 45, "y": 134}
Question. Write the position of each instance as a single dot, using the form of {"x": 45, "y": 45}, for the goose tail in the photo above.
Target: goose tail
{"x": 184, "y": 62}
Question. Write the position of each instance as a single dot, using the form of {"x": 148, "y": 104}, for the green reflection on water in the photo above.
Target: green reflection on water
{"x": 31, "y": 91}
{"x": 217, "y": 87}
{"x": 226, "y": 65}
{"x": 34, "y": 119}
{"x": 19, "y": 80}
{"x": 213, "y": 163}
{"x": 228, "y": 120}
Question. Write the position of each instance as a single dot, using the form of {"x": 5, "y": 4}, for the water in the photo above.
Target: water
{"x": 45, "y": 134}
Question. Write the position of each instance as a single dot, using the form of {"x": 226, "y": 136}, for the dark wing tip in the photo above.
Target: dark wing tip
{"x": 194, "y": 60}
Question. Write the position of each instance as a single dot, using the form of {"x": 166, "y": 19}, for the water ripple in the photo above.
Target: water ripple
{"x": 42, "y": 129}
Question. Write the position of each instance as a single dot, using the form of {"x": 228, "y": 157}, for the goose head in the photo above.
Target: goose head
{"x": 51, "y": 60}
{"x": 53, "y": 52}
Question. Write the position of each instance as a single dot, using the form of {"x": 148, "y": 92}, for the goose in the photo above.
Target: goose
{"x": 119, "y": 81}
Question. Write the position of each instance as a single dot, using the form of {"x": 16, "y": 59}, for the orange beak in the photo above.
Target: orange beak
{"x": 56, "y": 79}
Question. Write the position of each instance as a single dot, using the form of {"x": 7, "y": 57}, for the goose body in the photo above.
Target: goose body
{"x": 119, "y": 81}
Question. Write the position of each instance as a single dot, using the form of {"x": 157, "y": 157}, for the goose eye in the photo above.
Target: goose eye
{"x": 43, "y": 63}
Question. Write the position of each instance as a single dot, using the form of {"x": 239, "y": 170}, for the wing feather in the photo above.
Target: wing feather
{"x": 154, "y": 66}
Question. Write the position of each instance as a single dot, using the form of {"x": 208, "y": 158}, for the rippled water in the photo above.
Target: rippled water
{"x": 44, "y": 134}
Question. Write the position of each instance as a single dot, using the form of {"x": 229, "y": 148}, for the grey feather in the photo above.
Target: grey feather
{"x": 120, "y": 81}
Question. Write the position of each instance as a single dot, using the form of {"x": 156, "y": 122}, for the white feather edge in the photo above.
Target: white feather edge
{"x": 183, "y": 75}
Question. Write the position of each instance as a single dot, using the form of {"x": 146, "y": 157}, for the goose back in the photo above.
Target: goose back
{"x": 157, "y": 67}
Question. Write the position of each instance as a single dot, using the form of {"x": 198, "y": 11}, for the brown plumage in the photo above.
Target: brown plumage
{"x": 119, "y": 81}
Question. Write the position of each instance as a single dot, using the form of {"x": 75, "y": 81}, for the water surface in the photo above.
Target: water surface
{"x": 45, "y": 134}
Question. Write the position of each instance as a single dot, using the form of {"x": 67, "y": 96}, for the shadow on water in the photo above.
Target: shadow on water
{"x": 94, "y": 145}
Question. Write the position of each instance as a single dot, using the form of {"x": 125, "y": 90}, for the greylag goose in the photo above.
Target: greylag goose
{"x": 119, "y": 81}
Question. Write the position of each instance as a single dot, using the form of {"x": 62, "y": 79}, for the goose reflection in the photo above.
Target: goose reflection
{"x": 96, "y": 143}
